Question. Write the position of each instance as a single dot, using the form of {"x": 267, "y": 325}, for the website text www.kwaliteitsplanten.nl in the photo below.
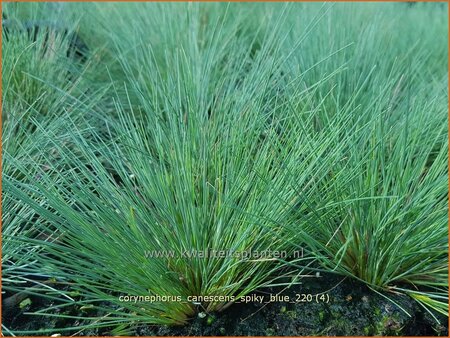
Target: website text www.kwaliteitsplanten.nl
{"x": 214, "y": 253}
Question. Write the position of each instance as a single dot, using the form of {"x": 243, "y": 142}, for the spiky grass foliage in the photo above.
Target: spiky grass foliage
{"x": 382, "y": 41}
{"x": 35, "y": 53}
{"x": 201, "y": 168}
{"x": 41, "y": 85}
{"x": 387, "y": 222}
{"x": 237, "y": 134}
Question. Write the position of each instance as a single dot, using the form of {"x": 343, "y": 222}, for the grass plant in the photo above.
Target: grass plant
{"x": 204, "y": 130}
{"x": 388, "y": 215}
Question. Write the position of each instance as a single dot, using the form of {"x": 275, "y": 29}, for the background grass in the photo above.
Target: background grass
{"x": 195, "y": 126}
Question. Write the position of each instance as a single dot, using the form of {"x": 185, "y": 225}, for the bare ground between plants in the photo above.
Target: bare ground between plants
{"x": 352, "y": 309}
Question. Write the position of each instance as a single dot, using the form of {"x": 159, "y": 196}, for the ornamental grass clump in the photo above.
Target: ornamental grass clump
{"x": 387, "y": 220}
{"x": 205, "y": 150}
{"x": 42, "y": 88}
{"x": 198, "y": 165}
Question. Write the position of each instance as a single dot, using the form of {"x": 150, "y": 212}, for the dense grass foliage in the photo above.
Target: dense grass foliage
{"x": 388, "y": 219}
{"x": 43, "y": 82}
{"x": 35, "y": 89}
{"x": 188, "y": 128}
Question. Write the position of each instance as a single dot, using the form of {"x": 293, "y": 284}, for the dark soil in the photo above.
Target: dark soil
{"x": 352, "y": 309}
{"x": 320, "y": 306}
